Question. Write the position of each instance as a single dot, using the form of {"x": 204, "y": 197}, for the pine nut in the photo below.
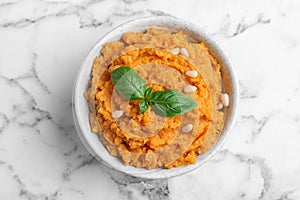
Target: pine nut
{"x": 192, "y": 73}
{"x": 187, "y": 128}
{"x": 220, "y": 106}
{"x": 224, "y": 99}
{"x": 184, "y": 52}
{"x": 175, "y": 51}
{"x": 189, "y": 89}
{"x": 117, "y": 114}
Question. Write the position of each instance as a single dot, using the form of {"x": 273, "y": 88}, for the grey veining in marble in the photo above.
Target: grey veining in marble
{"x": 43, "y": 42}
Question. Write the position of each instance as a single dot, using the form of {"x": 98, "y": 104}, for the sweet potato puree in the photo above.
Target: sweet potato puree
{"x": 149, "y": 140}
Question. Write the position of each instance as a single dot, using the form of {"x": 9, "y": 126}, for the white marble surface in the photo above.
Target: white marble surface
{"x": 42, "y": 44}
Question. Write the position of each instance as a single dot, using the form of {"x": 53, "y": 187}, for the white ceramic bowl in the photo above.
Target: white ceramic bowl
{"x": 81, "y": 111}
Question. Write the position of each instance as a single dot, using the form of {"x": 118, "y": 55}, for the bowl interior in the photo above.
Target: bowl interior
{"x": 81, "y": 111}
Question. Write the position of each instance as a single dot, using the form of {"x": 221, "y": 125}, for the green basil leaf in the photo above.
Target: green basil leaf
{"x": 143, "y": 106}
{"x": 171, "y": 103}
{"x": 128, "y": 83}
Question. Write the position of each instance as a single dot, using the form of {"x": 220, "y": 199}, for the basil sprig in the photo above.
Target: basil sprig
{"x": 167, "y": 103}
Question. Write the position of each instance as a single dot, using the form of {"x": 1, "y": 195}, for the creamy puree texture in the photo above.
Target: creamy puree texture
{"x": 149, "y": 140}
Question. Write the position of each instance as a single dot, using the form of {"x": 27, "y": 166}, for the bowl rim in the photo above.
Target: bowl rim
{"x": 157, "y": 173}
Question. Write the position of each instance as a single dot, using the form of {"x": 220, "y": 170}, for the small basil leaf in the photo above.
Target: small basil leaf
{"x": 128, "y": 83}
{"x": 148, "y": 92}
{"x": 171, "y": 103}
{"x": 143, "y": 106}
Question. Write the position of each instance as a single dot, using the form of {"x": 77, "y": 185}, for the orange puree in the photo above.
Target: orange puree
{"x": 149, "y": 140}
